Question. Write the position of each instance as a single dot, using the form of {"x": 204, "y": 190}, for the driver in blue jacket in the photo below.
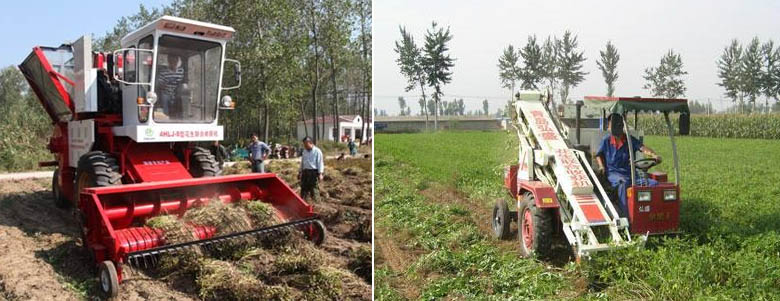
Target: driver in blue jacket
{"x": 614, "y": 150}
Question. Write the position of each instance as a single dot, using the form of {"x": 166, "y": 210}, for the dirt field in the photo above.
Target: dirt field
{"x": 41, "y": 256}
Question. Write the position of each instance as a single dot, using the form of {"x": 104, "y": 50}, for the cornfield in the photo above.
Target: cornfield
{"x": 718, "y": 126}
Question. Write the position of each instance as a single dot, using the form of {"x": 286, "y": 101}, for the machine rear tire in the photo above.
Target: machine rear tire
{"x": 535, "y": 228}
{"x": 59, "y": 200}
{"x": 501, "y": 220}
{"x": 109, "y": 282}
{"x": 203, "y": 163}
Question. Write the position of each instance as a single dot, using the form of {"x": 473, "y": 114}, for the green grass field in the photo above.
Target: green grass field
{"x": 432, "y": 247}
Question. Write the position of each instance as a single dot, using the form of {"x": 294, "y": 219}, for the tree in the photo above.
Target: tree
{"x": 437, "y": 62}
{"x": 421, "y": 102}
{"x": 752, "y": 71}
{"x": 402, "y": 105}
{"x": 411, "y": 64}
{"x": 110, "y": 41}
{"x": 608, "y": 67}
{"x": 461, "y": 107}
{"x": 363, "y": 12}
{"x": 569, "y": 64}
{"x": 730, "y": 71}
{"x": 550, "y": 63}
{"x": 770, "y": 83}
{"x": 666, "y": 79}
{"x": 508, "y": 68}
{"x": 485, "y": 107}
{"x": 533, "y": 69}
{"x": 336, "y": 37}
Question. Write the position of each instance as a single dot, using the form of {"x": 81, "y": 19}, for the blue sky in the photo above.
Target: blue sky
{"x": 29, "y": 23}
{"x": 641, "y": 30}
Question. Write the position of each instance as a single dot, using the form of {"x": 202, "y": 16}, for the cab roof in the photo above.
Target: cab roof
{"x": 622, "y": 105}
{"x": 181, "y": 26}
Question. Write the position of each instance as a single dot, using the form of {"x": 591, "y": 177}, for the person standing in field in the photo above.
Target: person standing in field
{"x": 258, "y": 151}
{"x": 220, "y": 153}
{"x": 352, "y": 147}
{"x": 312, "y": 168}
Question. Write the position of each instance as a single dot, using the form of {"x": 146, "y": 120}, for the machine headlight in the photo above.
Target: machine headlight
{"x": 644, "y": 196}
{"x": 151, "y": 97}
{"x": 670, "y": 195}
{"x": 227, "y": 102}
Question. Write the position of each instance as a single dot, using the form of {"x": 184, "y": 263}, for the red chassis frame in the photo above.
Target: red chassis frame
{"x": 656, "y": 216}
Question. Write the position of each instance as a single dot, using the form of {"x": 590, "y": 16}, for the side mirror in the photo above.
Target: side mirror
{"x": 685, "y": 124}
{"x": 133, "y": 66}
{"x": 235, "y": 82}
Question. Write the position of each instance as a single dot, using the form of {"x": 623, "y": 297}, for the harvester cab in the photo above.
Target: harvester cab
{"x": 126, "y": 128}
{"x": 556, "y": 190}
{"x": 652, "y": 209}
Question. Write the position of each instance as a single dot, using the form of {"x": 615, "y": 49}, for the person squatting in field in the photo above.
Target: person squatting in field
{"x": 258, "y": 151}
{"x": 312, "y": 168}
{"x": 614, "y": 151}
{"x": 220, "y": 153}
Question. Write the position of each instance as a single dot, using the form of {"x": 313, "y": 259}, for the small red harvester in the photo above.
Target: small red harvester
{"x": 126, "y": 128}
{"x": 557, "y": 191}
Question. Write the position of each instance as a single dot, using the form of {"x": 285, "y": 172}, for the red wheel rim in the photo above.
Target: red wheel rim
{"x": 528, "y": 229}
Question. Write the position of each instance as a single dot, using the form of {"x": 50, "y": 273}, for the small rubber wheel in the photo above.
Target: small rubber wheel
{"x": 501, "y": 220}
{"x": 535, "y": 228}
{"x": 59, "y": 200}
{"x": 109, "y": 282}
{"x": 316, "y": 232}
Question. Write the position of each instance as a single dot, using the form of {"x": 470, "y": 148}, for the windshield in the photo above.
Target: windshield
{"x": 187, "y": 80}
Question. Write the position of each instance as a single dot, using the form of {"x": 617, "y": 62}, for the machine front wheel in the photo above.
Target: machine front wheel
{"x": 59, "y": 200}
{"x": 535, "y": 228}
{"x": 203, "y": 163}
{"x": 316, "y": 233}
{"x": 501, "y": 220}
{"x": 109, "y": 282}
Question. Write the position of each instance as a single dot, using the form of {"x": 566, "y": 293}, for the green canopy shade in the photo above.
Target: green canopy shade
{"x": 622, "y": 105}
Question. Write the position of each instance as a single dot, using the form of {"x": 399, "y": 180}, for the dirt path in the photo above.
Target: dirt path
{"x": 41, "y": 255}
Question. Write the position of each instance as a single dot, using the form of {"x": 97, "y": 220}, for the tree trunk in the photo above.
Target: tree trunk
{"x": 303, "y": 119}
{"x": 366, "y": 76}
{"x": 335, "y": 99}
{"x": 266, "y": 115}
{"x": 425, "y": 104}
{"x": 316, "y": 83}
{"x": 436, "y": 116}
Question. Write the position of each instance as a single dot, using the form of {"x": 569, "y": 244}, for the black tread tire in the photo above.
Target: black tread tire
{"x": 319, "y": 235}
{"x": 59, "y": 200}
{"x": 102, "y": 169}
{"x": 203, "y": 163}
{"x": 501, "y": 220}
{"x": 543, "y": 228}
{"x": 107, "y": 279}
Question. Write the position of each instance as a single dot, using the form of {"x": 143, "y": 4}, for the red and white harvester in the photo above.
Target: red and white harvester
{"x": 556, "y": 190}
{"x": 126, "y": 124}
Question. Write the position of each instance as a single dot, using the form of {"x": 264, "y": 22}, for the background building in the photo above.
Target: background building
{"x": 349, "y": 125}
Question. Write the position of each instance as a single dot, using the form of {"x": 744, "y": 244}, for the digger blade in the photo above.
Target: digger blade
{"x": 149, "y": 257}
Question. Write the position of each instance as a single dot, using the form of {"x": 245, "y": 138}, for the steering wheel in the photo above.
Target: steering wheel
{"x": 645, "y": 164}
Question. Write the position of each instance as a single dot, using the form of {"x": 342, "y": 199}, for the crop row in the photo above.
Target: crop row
{"x": 718, "y": 126}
